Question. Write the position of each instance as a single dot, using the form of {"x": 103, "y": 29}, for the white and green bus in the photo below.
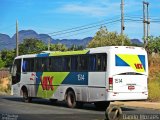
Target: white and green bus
{"x": 97, "y": 75}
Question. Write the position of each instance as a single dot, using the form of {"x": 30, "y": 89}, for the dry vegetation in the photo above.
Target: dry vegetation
{"x": 154, "y": 78}
{"x": 5, "y": 86}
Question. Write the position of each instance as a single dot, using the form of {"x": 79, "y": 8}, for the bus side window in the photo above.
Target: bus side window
{"x": 74, "y": 63}
{"x": 31, "y": 64}
{"x": 44, "y": 64}
{"x": 57, "y": 64}
{"x": 101, "y": 62}
{"x": 66, "y": 64}
{"x": 28, "y": 65}
{"x": 83, "y": 62}
{"x": 98, "y": 62}
{"x": 38, "y": 64}
{"x": 92, "y": 62}
{"x": 24, "y": 66}
{"x": 50, "y": 64}
{"x": 104, "y": 62}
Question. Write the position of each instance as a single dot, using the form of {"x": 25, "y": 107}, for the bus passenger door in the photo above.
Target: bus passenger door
{"x": 28, "y": 75}
{"x": 16, "y": 77}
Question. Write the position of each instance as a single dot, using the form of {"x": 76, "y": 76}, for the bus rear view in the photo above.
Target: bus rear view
{"x": 128, "y": 74}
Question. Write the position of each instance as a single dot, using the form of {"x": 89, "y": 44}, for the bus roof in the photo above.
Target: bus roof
{"x": 97, "y": 50}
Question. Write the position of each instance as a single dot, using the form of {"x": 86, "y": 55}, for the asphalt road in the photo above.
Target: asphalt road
{"x": 12, "y": 108}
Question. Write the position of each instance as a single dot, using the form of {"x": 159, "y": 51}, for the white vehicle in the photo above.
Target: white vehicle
{"x": 96, "y": 75}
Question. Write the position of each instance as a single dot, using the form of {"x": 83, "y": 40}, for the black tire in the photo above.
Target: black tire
{"x": 79, "y": 104}
{"x": 103, "y": 105}
{"x": 71, "y": 99}
{"x": 26, "y": 98}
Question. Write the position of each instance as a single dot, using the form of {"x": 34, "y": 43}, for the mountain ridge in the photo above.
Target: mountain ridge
{"x": 7, "y": 42}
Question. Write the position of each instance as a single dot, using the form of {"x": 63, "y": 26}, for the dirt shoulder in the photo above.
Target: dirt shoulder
{"x": 140, "y": 104}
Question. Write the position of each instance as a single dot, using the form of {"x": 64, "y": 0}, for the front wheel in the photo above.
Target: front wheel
{"x": 26, "y": 98}
{"x": 71, "y": 99}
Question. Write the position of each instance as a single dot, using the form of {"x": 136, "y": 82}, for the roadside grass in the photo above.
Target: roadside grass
{"x": 154, "y": 78}
{"x": 154, "y": 90}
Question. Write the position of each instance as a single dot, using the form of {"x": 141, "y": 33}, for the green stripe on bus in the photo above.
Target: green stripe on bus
{"x": 58, "y": 53}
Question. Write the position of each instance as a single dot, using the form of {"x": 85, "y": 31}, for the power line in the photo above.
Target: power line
{"x": 102, "y": 22}
{"x": 80, "y": 29}
{"x": 86, "y": 31}
{"x": 69, "y": 29}
{"x": 136, "y": 20}
{"x": 77, "y": 30}
{"x": 86, "y": 28}
{"x": 155, "y": 21}
{"x": 139, "y": 20}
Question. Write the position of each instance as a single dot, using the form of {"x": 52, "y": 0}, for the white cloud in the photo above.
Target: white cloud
{"x": 92, "y": 9}
{"x": 89, "y": 10}
{"x": 100, "y": 8}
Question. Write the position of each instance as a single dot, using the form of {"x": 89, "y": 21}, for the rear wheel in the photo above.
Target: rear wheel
{"x": 71, "y": 99}
{"x": 26, "y": 98}
{"x": 102, "y": 105}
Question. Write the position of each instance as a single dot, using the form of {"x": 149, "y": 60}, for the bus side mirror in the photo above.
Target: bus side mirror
{"x": 13, "y": 70}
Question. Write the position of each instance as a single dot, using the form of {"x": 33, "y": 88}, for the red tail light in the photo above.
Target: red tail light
{"x": 110, "y": 80}
{"x": 110, "y": 83}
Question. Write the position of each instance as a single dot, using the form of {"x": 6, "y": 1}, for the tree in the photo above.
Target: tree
{"x": 105, "y": 38}
{"x": 7, "y": 57}
{"x": 76, "y": 47}
{"x": 2, "y": 63}
{"x": 153, "y": 45}
{"x": 28, "y": 46}
{"x": 58, "y": 47}
{"x": 32, "y": 46}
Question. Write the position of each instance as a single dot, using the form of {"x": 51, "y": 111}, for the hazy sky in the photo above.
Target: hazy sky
{"x": 48, "y": 16}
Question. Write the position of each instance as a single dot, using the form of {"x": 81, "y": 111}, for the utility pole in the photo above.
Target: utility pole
{"x": 17, "y": 51}
{"x": 145, "y": 22}
{"x": 49, "y": 43}
{"x": 122, "y": 20}
{"x": 148, "y": 23}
